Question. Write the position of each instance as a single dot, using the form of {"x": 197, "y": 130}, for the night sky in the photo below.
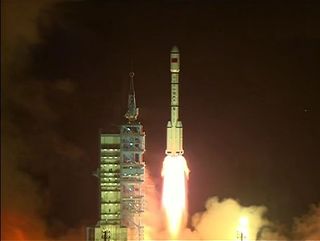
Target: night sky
{"x": 250, "y": 101}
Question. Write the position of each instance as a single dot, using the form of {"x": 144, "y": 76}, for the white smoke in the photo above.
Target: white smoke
{"x": 307, "y": 227}
{"x": 222, "y": 220}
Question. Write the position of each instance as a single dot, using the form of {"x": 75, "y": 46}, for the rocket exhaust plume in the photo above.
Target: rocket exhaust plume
{"x": 175, "y": 170}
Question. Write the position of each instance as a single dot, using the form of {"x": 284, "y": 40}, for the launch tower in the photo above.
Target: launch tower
{"x": 121, "y": 176}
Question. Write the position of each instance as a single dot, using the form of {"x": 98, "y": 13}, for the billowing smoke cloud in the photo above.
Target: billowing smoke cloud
{"x": 307, "y": 227}
{"x": 227, "y": 219}
{"x": 152, "y": 209}
{"x": 33, "y": 153}
{"x": 222, "y": 220}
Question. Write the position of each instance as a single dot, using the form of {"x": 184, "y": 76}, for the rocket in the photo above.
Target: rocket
{"x": 174, "y": 127}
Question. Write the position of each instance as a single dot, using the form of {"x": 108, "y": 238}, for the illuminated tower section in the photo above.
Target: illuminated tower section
{"x": 108, "y": 227}
{"x": 110, "y": 190}
{"x": 121, "y": 175}
{"x": 132, "y": 147}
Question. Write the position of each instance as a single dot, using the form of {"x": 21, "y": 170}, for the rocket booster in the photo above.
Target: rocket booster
{"x": 174, "y": 127}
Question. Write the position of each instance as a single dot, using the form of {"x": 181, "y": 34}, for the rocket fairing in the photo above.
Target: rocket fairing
{"x": 174, "y": 127}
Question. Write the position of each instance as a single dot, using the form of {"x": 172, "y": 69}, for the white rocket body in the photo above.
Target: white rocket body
{"x": 174, "y": 127}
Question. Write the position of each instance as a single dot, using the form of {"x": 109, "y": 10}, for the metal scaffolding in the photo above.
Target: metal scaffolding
{"x": 132, "y": 177}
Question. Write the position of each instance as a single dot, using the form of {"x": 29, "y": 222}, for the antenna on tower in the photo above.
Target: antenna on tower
{"x": 133, "y": 111}
{"x": 131, "y": 64}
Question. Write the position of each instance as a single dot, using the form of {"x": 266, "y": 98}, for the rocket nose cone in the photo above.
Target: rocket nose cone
{"x": 174, "y": 49}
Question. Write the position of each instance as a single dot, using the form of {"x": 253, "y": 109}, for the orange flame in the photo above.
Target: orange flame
{"x": 174, "y": 172}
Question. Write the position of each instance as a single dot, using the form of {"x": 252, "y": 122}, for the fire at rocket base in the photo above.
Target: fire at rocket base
{"x": 175, "y": 170}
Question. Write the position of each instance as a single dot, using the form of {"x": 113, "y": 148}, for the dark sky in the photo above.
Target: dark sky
{"x": 249, "y": 96}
